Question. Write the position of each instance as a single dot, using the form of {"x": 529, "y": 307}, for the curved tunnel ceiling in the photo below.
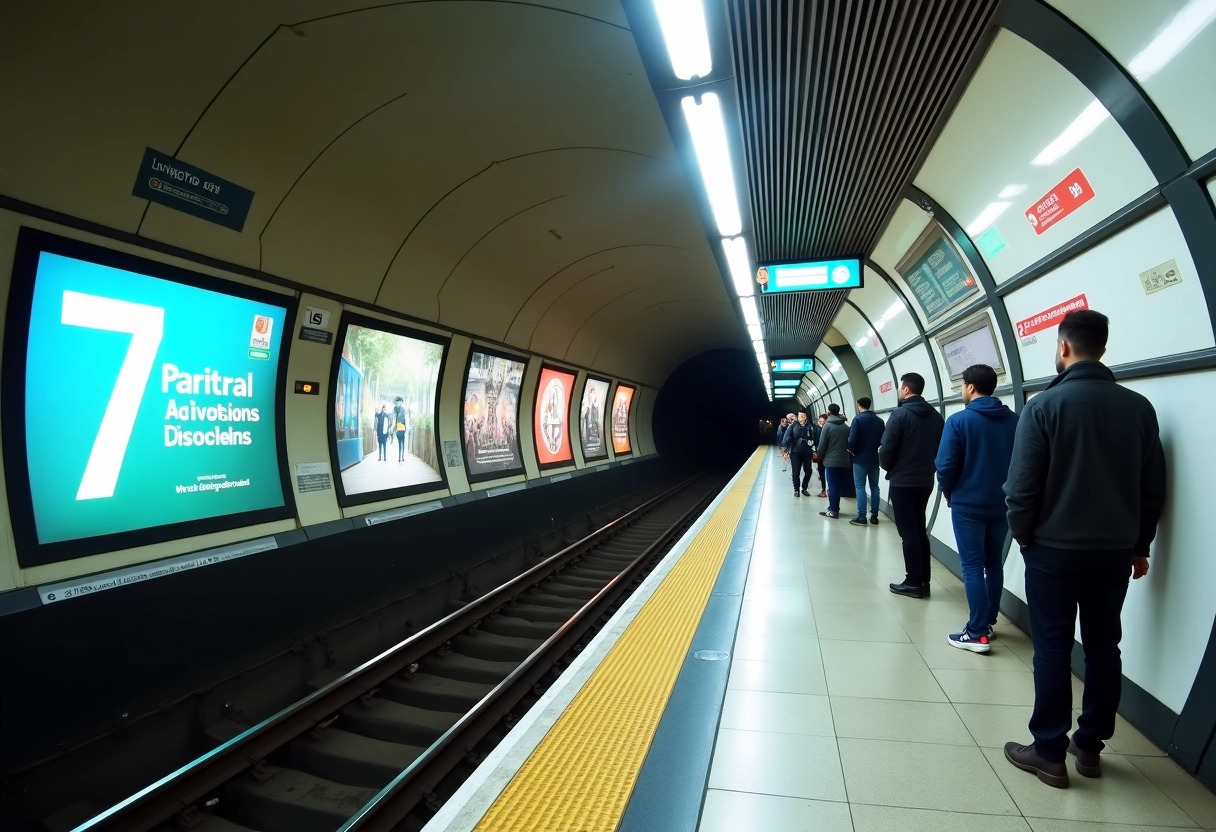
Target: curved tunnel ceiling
{"x": 839, "y": 103}
{"x": 500, "y": 168}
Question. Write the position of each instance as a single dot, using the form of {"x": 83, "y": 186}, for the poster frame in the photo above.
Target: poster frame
{"x": 603, "y": 417}
{"x": 393, "y": 328}
{"x": 15, "y": 366}
{"x": 493, "y": 352}
{"x": 573, "y": 373}
{"x": 629, "y": 421}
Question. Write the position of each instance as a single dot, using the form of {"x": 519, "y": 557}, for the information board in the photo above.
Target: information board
{"x": 551, "y": 420}
{"x": 621, "y": 402}
{"x": 142, "y": 402}
{"x": 491, "y": 415}
{"x": 812, "y": 276}
{"x": 591, "y": 418}
{"x": 386, "y": 381}
{"x": 937, "y": 276}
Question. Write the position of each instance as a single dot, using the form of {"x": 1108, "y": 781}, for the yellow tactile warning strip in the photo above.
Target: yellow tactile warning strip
{"x": 580, "y": 777}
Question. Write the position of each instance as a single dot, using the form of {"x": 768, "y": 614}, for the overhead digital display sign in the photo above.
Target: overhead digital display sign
{"x": 591, "y": 418}
{"x": 809, "y": 277}
{"x": 551, "y": 420}
{"x": 142, "y": 402}
{"x": 793, "y": 365}
{"x": 786, "y": 382}
{"x": 621, "y": 403}
{"x": 491, "y": 415}
{"x": 383, "y": 434}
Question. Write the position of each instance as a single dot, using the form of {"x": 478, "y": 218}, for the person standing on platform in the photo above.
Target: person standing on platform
{"x": 798, "y": 442}
{"x": 818, "y": 428}
{"x": 909, "y": 444}
{"x": 784, "y": 425}
{"x": 833, "y": 449}
{"x": 972, "y": 462}
{"x": 865, "y": 436}
{"x": 1085, "y": 491}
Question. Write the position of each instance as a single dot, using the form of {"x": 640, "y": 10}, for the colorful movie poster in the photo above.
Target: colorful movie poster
{"x": 552, "y": 417}
{"x": 384, "y": 410}
{"x": 491, "y": 415}
{"x": 620, "y": 419}
{"x": 591, "y": 418}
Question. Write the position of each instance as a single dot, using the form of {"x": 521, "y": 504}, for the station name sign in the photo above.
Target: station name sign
{"x": 811, "y": 276}
{"x": 191, "y": 190}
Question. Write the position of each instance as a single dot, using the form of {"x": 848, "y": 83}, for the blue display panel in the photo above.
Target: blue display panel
{"x": 786, "y": 382}
{"x": 142, "y": 402}
{"x": 793, "y": 365}
{"x": 811, "y": 276}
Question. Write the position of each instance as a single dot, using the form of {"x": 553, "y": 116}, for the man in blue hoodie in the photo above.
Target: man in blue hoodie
{"x": 864, "y": 438}
{"x": 972, "y": 462}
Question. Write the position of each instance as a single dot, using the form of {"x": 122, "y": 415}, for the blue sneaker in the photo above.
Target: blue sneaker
{"x": 966, "y": 641}
{"x": 991, "y": 632}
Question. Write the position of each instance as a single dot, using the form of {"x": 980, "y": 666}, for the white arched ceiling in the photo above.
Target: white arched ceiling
{"x": 497, "y": 168}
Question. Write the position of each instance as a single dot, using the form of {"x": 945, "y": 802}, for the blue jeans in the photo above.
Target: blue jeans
{"x": 980, "y": 541}
{"x": 836, "y": 478}
{"x": 861, "y": 473}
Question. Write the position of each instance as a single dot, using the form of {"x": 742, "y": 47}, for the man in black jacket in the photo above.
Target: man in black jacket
{"x": 798, "y": 441}
{"x": 909, "y": 446}
{"x": 864, "y": 438}
{"x": 1085, "y": 491}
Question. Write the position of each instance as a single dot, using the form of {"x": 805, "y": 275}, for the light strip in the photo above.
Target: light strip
{"x": 1089, "y": 120}
{"x": 713, "y": 158}
{"x": 740, "y": 266}
{"x": 684, "y": 32}
{"x": 750, "y": 316}
{"x": 987, "y": 217}
{"x": 1172, "y": 38}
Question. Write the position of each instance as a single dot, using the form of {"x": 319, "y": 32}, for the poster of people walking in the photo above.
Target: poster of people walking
{"x": 620, "y": 419}
{"x": 591, "y": 418}
{"x": 551, "y": 421}
{"x": 491, "y": 415}
{"x": 384, "y": 410}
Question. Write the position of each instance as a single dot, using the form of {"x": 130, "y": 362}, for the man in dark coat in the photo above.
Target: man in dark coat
{"x": 865, "y": 436}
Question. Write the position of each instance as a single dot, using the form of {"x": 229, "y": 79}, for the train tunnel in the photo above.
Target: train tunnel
{"x": 309, "y": 303}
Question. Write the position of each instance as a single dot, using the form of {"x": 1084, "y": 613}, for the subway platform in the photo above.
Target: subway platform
{"x": 764, "y": 678}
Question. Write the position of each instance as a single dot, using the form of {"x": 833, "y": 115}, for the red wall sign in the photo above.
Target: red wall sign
{"x": 1072, "y": 192}
{"x": 1050, "y": 317}
{"x": 886, "y": 387}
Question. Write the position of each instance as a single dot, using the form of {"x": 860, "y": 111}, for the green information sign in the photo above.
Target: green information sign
{"x": 991, "y": 242}
{"x": 938, "y": 278}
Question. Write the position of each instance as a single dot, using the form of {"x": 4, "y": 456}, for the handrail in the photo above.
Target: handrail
{"x": 178, "y": 789}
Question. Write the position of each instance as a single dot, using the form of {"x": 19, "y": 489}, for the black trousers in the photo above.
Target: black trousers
{"x": 909, "y": 504}
{"x": 800, "y": 465}
{"x": 1059, "y": 583}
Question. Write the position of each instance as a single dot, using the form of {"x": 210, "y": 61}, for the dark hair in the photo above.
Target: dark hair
{"x": 982, "y": 376}
{"x": 864, "y": 402}
{"x": 914, "y": 382}
{"x": 802, "y": 411}
{"x": 823, "y": 415}
{"x": 1086, "y": 332}
{"x": 834, "y": 409}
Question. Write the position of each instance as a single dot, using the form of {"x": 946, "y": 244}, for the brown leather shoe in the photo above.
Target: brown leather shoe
{"x": 1027, "y": 759}
{"x": 1088, "y": 763}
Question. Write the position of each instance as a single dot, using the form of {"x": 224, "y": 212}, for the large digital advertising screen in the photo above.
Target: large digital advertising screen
{"x": 142, "y": 401}
{"x": 621, "y": 403}
{"x": 491, "y": 415}
{"x": 386, "y": 380}
{"x": 551, "y": 421}
{"x": 591, "y": 415}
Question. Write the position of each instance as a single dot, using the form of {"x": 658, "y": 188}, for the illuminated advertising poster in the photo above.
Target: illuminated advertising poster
{"x": 384, "y": 410}
{"x": 620, "y": 419}
{"x": 551, "y": 422}
{"x": 150, "y": 403}
{"x": 491, "y": 415}
{"x": 591, "y": 418}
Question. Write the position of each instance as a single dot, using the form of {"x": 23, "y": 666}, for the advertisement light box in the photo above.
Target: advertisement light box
{"x": 491, "y": 415}
{"x": 812, "y": 276}
{"x": 621, "y": 403}
{"x": 142, "y": 402}
{"x": 551, "y": 421}
{"x": 591, "y": 415}
{"x": 793, "y": 365}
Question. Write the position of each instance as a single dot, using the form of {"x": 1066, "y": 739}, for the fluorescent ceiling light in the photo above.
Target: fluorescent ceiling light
{"x": 1073, "y": 134}
{"x": 713, "y": 158}
{"x": 683, "y": 25}
{"x": 987, "y": 217}
{"x": 835, "y": 366}
{"x": 1010, "y": 191}
{"x": 892, "y": 311}
{"x": 754, "y": 331}
{"x": 740, "y": 266}
{"x": 750, "y": 316}
{"x": 862, "y": 341}
{"x": 1172, "y": 38}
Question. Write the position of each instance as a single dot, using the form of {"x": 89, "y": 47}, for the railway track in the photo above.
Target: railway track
{"x": 368, "y": 746}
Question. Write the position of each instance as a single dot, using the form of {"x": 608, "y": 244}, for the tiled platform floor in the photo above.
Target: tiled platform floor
{"x": 847, "y": 710}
